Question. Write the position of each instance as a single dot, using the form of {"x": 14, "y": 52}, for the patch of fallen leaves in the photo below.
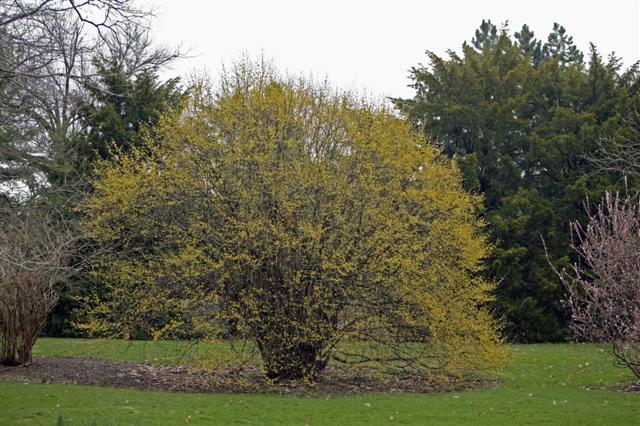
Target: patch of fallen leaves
{"x": 247, "y": 378}
{"x": 629, "y": 387}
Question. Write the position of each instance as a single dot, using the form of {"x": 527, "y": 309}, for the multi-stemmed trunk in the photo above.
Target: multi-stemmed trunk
{"x": 8, "y": 356}
{"x": 293, "y": 336}
{"x": 9, "y": 335}
{"x": 299, "y": 361}
{"x": 20, "y": 325}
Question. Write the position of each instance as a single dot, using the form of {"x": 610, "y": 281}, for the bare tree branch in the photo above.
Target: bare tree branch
{"x": 620, "y": 153}
{"x": 36, "y": 253}
{"x": 604, "y": 288}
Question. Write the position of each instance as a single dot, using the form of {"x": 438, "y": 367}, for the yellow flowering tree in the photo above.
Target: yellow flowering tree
{"x": 316, "y": 225}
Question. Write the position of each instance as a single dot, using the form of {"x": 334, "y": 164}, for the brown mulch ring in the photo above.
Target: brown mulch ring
{"x": 227, "y": 379}
{"x": 629, "y": 387}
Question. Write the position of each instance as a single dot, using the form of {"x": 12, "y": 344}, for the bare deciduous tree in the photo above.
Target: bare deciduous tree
{"x": 604, "y": 287}
{"x": 47, "y": 54}
{"x": 101, "y": 14}
{"x": 620, "y": 153}
{"x": 35, "y": 255}
{"x": 37, "y": 29}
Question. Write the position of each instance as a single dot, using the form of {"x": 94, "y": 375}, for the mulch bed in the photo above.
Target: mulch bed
{"x": 226, "y": 379}
{"x": 629, "y": 387}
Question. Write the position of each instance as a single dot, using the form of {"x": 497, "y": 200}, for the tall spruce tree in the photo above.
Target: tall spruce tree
{"x": 522, "y": 121}
{"x": 559, "y": 45}
{"x": 122, "y": 105}
{"x": 529, "y": 44}
{"x": 486, "y": 34}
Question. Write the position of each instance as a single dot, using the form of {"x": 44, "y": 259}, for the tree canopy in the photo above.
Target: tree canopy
{"x": 284, "y": 212}
{"x": 523, "y": 119}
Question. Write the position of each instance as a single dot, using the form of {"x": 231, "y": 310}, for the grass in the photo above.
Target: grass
{"x": 152, "y": 352}
{"x": 545, "y": 384}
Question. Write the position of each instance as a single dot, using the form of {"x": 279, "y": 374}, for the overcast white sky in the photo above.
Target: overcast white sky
{"x": 370, "y": 46}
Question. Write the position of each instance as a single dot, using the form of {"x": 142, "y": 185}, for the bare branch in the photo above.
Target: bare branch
{"x": 604, "y": 286}
{"x": 35, "y": 255}
{"x": 620, "y": 153}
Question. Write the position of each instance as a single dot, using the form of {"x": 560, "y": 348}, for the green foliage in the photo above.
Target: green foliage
{"x": 123, "y": 106}
{"x": 522, "y": 120}
{"x": 528, "y": 44}
{"x": 560, "y": 46}
{"x": 486, "y": 34}
{"x": 277, "y": 210}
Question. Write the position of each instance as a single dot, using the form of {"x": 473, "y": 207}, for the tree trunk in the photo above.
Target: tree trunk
{"x": 25, "y": 354}
{"x": 8, "y": 356}
{"x": 9, "y": 341}
{"x": 302, "y": 361}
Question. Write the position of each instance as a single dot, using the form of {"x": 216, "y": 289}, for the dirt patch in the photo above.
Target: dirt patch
{"x": 244, "y": 379}
{"x": 629, "y": 387}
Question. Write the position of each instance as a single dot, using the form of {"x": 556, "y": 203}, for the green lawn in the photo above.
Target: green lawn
{"x": 152, "y": 352}
{"x": 545, "y": 384}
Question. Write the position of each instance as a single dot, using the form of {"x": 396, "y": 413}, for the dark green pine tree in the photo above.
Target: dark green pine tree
{"x": 529, "y": 45}
{"x": 486, "y": 34}
{"x": 559, "y": 45}
{"x": 522, "y": 134}
{"x": 122, "y": 106}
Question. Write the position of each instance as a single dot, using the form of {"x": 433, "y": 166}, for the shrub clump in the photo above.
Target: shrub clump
{"x": 317, "y": 225}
